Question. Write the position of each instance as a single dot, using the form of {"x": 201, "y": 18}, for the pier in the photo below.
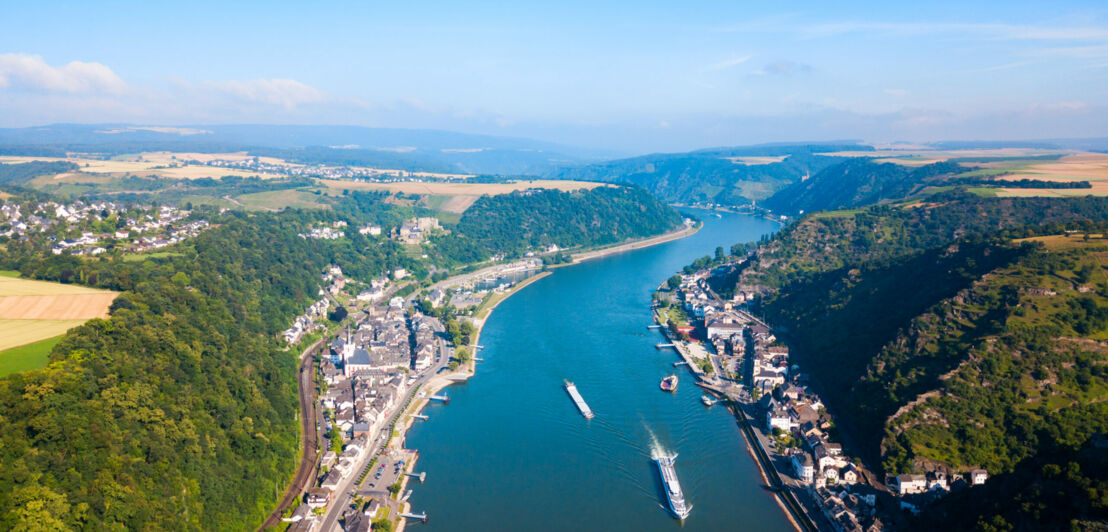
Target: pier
{"x": 421, "y": 517}
{"x": 655, "y": 326}
{"x": 421, "y": 476}
{"x": 420, "y": 416}
{"x": 681, "y": 363}
{"x": 663, "y": 346}
{"x": 444, "y": 398}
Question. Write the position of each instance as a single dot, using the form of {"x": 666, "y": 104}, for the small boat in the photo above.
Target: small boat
{"x": 708, "y": 401}
{"x": 669, "y": 384}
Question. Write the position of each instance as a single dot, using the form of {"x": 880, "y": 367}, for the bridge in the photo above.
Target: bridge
{"x": 421, "y": 517}
{"x": 421, "y": 476}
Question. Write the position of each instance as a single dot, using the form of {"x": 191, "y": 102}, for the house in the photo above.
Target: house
{"x": 908, "y": 484}
{"x": 978, "y": 477}
{"x": 332, "y": 480}
{"x": 803, "y": 466}
{"x": 327, "y": 459}
{"x": 824, "y": 461}
{"x": 849, "y": 474}
{"x": 318, "y": 497}
{"x": 936, "y": 480}
{"x": 778, "y": 418}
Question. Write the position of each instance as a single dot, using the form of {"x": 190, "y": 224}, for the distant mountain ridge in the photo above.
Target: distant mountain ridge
{"x": 404, "y": 149}
{"x": 730, "y": 176}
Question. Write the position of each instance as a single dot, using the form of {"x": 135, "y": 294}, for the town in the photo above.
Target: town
{"x": 94, "y": 227}
{"x": 374, "y": 365}
{"x": 735, "y": 355}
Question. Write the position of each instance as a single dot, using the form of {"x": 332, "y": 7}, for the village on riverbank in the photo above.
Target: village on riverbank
{"x": 736, "y": 357}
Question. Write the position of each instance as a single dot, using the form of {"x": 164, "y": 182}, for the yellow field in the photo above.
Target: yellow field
{"x": 36, "y": 310}
{"x": 14, "y": 333}
{"x": 14, "y": 286}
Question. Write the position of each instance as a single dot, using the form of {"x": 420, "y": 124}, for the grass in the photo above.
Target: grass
{"x": 139, "y": 257}
{"x": 27, "y": 357}
{"x": 275, "y": 200}
{"x": 11, "y": 285}
{"x": 9, "y": 273}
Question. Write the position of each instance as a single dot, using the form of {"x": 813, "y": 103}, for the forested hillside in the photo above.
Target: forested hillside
{"x": 942, "y": 336}
{"x": 727, "y": 176}
{"x": 536, "y": 219}
{"x": 857, "y": 182}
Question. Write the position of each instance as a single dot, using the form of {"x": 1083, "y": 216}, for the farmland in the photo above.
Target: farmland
{"x": 33, "y": 311}
{"x": 457, "y": 197}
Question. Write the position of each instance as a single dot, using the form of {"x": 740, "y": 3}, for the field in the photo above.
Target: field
{"x": 457, "y": 197}
{"x": 139, "y": 166}
{"x": 26, "y": 357}
{"x": 276, "y": 200}
{"x": 32, "y": 311}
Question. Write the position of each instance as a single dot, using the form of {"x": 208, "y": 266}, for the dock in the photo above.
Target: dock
{"x": 663, "y": 346}
{"x": 421, "y": 476}
{"x": 421, "y": 517}
{"x": 420, "y": 416}
{"x": 681, "y": 363}
{"x": 578, "y": 400}
{"x": 444, "y": 398}
{"x": 655, "y": 326}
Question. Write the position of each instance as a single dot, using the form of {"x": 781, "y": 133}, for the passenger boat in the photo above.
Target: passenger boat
{"x": 578, "y": 400}
{"x": 669, "y": 384}
{"x": 673, "y": 487}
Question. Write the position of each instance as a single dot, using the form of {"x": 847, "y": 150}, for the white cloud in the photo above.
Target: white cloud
{"x": 287, "y": 93}
{"x": 733, "y": 62}
{"x": 25, "y": 71}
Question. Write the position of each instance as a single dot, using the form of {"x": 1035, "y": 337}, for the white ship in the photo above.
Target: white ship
{"x": 578, "y": 400}
{"x": 673, "y": 487}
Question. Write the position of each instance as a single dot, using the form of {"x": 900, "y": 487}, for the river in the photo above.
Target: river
{"x": 511, "y": 452}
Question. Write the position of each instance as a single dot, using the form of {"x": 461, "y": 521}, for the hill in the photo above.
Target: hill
{"x": 938, "y": 334}
{"x": 726, "y": 176}
{"x": 858, "y": 182}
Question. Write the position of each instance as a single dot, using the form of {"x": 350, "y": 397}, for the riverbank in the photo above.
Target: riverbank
{"x": 583, "y": 256}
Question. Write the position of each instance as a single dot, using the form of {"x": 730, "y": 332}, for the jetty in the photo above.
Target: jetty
{"x": 578, "y": 400}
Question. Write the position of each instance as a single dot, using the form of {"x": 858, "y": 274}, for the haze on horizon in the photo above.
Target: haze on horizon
{"x": 628, "y": 76}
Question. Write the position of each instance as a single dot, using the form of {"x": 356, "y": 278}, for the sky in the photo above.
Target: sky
{"x": 633, "y": 76}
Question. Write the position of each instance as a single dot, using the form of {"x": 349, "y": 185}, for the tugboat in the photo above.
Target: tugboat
{"x": 673, "y": 487}
{"x": 708, "y": 401}
{"x": 669, "y": 384}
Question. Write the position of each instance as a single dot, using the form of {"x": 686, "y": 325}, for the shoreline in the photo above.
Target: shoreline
{"x": 438, "y": 382}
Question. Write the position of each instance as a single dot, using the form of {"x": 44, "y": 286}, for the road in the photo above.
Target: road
{"x": 342, "y": 495}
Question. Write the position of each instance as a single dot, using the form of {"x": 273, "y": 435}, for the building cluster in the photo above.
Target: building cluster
{"x": 414, "y": 231}
{"x": 917, "y": 491}
{"x": 138, "y": 228}
{"x": 324, "y": 231}
{"x": 256, "y": 164}
{"x": 312, "y": 318}
{"x": 369, "y": 373}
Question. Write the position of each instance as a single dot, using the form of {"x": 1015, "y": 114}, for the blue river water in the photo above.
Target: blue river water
{"x": 511, "y": 452}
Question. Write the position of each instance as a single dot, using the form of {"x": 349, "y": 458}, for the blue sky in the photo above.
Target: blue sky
{"x": 633, "y": 76}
